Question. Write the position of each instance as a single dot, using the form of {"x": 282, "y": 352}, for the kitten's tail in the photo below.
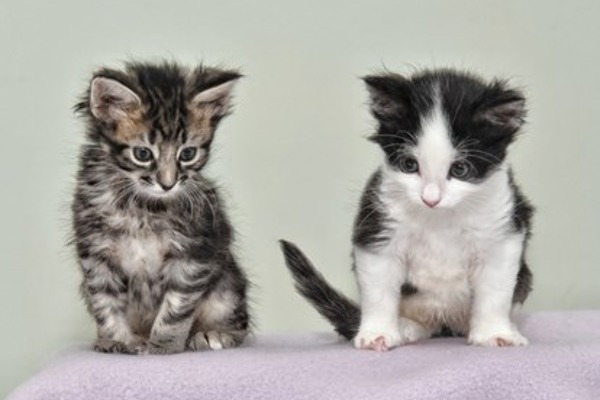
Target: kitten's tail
{"x": 342, "y": 312}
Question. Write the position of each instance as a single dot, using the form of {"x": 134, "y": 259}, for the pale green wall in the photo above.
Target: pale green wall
{"x": 293, "y": 156}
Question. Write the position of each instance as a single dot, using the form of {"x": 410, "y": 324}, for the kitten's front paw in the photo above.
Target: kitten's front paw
{"x": 501, "y": 338}
{"x": 114, "y": 346}
{"x": 164, "y": 348}
{"x": 110, "y": 346}
{"x": 377, "y": 340}
{"x": 213, "y": 340}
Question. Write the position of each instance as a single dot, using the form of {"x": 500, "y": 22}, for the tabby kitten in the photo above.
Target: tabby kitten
{"x": 442, "y": 230}
{"x": 152, "y": 237}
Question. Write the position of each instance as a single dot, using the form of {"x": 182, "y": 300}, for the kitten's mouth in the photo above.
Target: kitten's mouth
{"x": 158, "y": 191}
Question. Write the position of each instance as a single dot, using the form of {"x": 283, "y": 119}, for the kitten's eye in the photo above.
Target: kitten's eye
{"x": 459, "y": 170}
{"x": 409, "y": 165}
{"x": 142, "y": 154}
{"x": 187, "y": 154}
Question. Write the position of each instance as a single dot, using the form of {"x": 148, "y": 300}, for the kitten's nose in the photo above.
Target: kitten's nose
{"x": 166, "y": 186}
{"x": 431, "y": 195}
{"x": 167, "y": 176}
{"x": 430, "y": 203}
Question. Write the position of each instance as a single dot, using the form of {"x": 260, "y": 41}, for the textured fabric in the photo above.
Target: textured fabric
{"x": 562, "y": 362}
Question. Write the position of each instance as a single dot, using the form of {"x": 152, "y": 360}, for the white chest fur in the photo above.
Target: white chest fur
{"x": 441, "y": 250}
{"x": 437, "y": 257}
{"x": 143, "y": 254}
{"x": 439, "y": 262}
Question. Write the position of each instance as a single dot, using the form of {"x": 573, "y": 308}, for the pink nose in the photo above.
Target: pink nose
{"x": 431, "y": 203}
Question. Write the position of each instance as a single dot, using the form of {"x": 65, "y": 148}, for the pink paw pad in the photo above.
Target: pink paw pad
{"x": 501, "y": 342}
{"x": 379, "y": 344}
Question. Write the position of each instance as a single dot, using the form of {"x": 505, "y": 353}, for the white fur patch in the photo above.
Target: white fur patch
{"x": 435, "y": 153}
{"x": 216, "y": 307}
{"x": 379, "y": 278}
{"x": 141, "y": 254}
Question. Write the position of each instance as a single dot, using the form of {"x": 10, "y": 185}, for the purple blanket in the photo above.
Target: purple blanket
{"x": 562, "y": 362}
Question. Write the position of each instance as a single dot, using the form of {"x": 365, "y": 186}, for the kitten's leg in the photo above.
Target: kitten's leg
{"x": 187, "y": 283}
{"x": 222, "y": 322}
{"x": 173, "y": 322}
{"x": 379, "y": 277}
{"x": 105, "y": 293}
{"x": 493, "y": 287}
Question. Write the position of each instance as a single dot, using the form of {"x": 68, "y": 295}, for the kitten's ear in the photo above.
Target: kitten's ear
{"x": 216, "y": 98}
{"x": 112, "y": 101}
{"x": 505, "y": 110}
{"x": 388, "y": 95}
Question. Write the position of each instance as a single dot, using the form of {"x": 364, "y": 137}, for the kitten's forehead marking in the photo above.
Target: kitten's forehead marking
{"x": 435, "y": 151}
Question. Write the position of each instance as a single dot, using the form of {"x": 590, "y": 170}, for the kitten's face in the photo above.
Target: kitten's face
{"x": 157, "y": 124}
{"x": 433, "y": 172}
{"x": 443, "y": 133}
{"x": 161, "y": 168}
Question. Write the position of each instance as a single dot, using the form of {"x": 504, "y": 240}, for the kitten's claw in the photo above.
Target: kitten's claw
{"x": 211, "y": 340}
{"x": 114, "y": 346}
{"x": 109, "y": 346}
{"x": 501, "y": 339}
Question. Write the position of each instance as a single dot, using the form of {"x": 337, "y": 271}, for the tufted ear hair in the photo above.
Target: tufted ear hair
{"x": 216, "y": 98}
{"x": 388, "y": 95}
{"x": 112, "y": 101}
{"x": 502, "y": 107}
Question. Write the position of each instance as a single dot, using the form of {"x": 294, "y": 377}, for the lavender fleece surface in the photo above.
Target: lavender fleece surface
{"x": 562, "y": 362}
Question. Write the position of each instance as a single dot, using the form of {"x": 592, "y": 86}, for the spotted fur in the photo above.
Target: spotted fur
{"x": 153, "y": 241}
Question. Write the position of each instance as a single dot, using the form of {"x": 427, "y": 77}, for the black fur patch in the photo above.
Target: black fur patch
{"x": 408, "y": 289}
{"x": 484, "y": 117}
{"x": 369, "y": 225}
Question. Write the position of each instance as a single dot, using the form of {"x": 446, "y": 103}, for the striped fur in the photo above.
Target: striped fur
{"x": 153, "y": 240}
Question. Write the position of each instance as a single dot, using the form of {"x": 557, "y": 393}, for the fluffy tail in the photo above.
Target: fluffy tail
{"x": 342, "y": 312}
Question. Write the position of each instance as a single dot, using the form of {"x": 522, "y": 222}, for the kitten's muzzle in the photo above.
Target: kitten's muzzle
{"x": 167, "y": 177}
{"x": 167, "y": 186}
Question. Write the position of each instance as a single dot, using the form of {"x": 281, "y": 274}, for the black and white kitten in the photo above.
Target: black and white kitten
{"x": 441, "y": 234}
{"x": 153, "y": 240}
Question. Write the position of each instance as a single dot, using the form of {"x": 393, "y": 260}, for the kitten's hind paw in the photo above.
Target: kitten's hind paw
{"x": 412, "y": 331}
{"x": 213, "y": 340}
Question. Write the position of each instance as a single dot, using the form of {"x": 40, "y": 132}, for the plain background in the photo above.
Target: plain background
{"x": 293, "y": 158}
